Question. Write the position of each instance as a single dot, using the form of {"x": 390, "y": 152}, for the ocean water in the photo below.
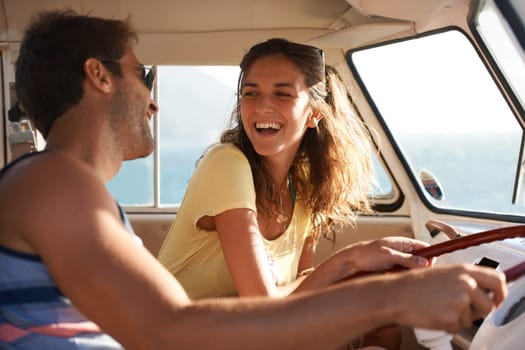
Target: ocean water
{"x": 134, "y": 183}
{"x": 475, "y": 171}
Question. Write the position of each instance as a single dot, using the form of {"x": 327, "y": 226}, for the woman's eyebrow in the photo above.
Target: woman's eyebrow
{"x": 249, "y": 84}
{"x": 283, "y": 84}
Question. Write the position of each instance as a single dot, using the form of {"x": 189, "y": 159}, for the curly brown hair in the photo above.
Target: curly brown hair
{"x": 332, "y": 173}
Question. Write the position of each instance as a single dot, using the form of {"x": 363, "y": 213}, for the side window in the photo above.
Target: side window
{"x": 441, "y": 108}
{"x": 196, "y": 103}
{"x": 195, "y": 106}
{"x": 383, "y": 189}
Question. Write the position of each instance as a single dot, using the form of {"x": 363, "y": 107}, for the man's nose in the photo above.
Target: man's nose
{"x": 154, "y": 107}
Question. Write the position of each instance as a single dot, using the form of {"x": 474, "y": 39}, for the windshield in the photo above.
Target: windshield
{"x": 447, "y": 118}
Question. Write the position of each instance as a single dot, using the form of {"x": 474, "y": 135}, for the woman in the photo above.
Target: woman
{"x": 294, "y": 164}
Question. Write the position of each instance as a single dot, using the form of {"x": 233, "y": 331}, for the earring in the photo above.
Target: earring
{"x": 315, "y": 119}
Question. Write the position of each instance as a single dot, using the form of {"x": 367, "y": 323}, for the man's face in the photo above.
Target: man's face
{"x": 132, "y": 108}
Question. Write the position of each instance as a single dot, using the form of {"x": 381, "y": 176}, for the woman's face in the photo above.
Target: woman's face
{"x": 275, "y": 108}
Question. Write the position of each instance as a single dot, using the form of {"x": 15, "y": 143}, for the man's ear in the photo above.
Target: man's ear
{"x": 98, "y": 75}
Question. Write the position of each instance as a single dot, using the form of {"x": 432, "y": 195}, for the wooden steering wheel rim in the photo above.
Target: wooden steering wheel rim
{"x": 464, "y": 242}
{"x": 471, "y": 240}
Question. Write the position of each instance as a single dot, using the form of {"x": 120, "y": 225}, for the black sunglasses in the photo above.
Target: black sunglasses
{"x": 148, "y": 72}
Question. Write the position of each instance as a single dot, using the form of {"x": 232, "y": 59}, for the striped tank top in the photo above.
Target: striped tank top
{"x": 34, "y": 314}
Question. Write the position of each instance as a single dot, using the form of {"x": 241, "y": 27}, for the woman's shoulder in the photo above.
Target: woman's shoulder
{"x": 223, "y": 157}
{"x": 223, "y": 151}
{"x": 227, "y": 147}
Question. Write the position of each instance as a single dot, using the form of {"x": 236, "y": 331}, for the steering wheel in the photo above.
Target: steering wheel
{"x": 462, "y": 242}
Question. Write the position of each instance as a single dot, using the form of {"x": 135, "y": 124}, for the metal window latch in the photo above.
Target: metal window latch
{"x": 21, "y": 138}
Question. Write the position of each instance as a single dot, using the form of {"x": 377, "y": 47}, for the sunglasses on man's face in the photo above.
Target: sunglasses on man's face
{"x": 148, "y": 72}
{"x": 148, "y": 75}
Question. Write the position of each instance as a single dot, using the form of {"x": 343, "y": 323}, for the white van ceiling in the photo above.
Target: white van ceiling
{"x": 218, "y": 31}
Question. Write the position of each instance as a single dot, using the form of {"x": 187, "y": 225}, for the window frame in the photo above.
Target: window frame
{"x": 493, "y": 67}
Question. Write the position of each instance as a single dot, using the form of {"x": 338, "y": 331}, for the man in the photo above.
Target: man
{"x": 73, "y": 277}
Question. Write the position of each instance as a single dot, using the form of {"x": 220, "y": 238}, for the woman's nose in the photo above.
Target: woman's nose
{"x": 264, "y": 104}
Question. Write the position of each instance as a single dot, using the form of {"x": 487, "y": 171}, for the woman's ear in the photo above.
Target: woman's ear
{"x": 314, "y": 119}
{"x": 98, "y": 75}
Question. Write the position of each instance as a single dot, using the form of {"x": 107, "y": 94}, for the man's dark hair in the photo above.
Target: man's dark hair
{"x": 49, "y": 70}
